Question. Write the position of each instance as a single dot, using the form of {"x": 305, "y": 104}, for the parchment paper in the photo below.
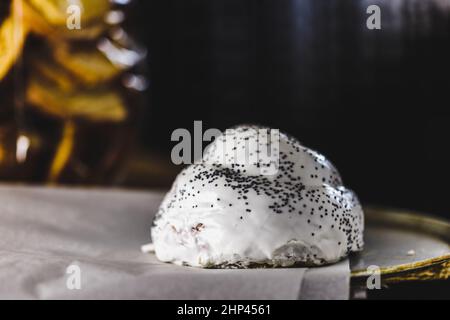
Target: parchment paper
{"x": 43, "y": 231}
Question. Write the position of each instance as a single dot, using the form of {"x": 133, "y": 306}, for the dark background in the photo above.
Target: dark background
{"x": 375, "y": 102}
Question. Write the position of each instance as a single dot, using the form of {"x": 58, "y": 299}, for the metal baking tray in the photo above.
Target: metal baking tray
{"x": 406, "y": 246}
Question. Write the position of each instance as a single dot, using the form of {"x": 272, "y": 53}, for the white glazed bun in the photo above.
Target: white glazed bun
{"x": 229, "y": 214}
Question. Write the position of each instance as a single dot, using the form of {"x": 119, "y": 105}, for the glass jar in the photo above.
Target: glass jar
{"x": 71, "y": 87}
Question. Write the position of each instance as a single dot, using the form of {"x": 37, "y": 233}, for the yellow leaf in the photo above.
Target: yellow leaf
{"x": 92, "y": 105}
{"x": 12, "y": 37}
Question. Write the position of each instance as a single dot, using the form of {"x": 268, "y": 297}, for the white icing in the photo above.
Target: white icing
{"x": 300, "y": 215}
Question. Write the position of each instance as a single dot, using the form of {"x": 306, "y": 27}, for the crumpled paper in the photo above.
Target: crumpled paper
{"x": 61, "y": 243}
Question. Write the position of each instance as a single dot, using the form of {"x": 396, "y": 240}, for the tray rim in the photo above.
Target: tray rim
{"x": 436, "y": 268}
